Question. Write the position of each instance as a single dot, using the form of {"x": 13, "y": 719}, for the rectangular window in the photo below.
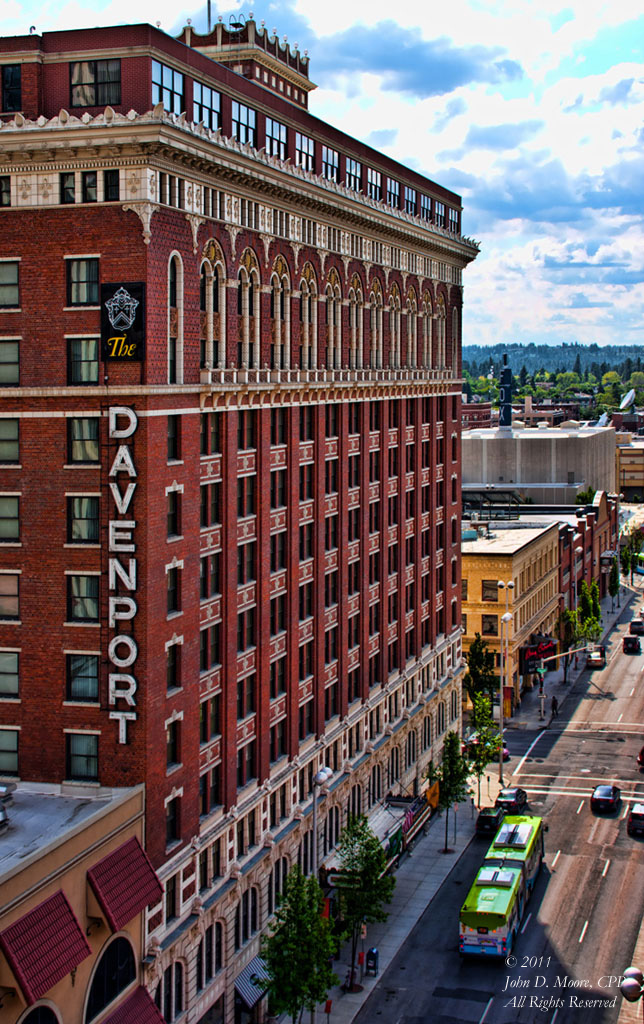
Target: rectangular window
{"x": 374, "y": 183}
{"x": 11, "y": 88}
{"x": 244, "y": 123}
{"x": 82, "y": 757}
{"x": 111, "y": 190}
{"x": 464, "y": 589}
{"x": 82, "y": 360}
{"x": 82, "y": 598}
{"x": 82, "y": 520}
{"x": 173, "y": 666}
{"x": 67, "y": 184}
{"x": 9, "y": 289}
{"x": 278, "y": 488}
{"x": 490, "y": 625}
{"x": 172, "y": 835}
{"x": 82, "y": 677}
{"x": 9, "y": 363}
{"x": 425, "y": 207}
{"x": 275, "y": 138}
{"x": 89, "y": 185}
{"x": 304, "y": 151}
{"x": 452, "y": 224}
{"x": 489, "y": 590}
{"x": 9, "y": 751}
{"x": 246, "y": 561}
{"x": 95, "y": 83}
{"x": 9, "y": 595}
{"x": 173, "y": 514}
{"x": 172, "y": 744}
{"x": 167, "y": 88}
{"x": 439, "y": 214}
{"x": 393, "y": 192}
{"x": 82, "y": 439}
{"x": 330, "y": 163}
{"x": 173, "y": 590}
{"x": 5, "y": 190}
{"x": 9, "y": 441}
{"x": 206, "y": 106}
{"x": 353, "y": 176}
{"x": 173, "y": 452}
{"x": 9, "y": 674}
{"x": 410, "y": 199}
{"x": 82, "y": 282}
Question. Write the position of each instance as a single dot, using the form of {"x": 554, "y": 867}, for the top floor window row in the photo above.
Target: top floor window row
{"x": 95, "y": 83}
{"x": 167, "y": 88}
{"x": 10, "y": 88}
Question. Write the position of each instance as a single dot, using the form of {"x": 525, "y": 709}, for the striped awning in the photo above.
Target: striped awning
{"x": 249, "y": 985}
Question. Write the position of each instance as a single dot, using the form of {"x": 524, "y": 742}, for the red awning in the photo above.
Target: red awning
{"x": 124, "y": 882}
{"x": 137, "y": 1009}
{"x": 43, "y": 946}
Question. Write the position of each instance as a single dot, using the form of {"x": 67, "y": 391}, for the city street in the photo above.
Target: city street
{"x": 586, "y": 912}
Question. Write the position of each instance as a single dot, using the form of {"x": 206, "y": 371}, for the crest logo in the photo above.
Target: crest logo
{"x": 121, "y": 310}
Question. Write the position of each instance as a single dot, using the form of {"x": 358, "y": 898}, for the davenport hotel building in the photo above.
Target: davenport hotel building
{"x": 230, "y": 344}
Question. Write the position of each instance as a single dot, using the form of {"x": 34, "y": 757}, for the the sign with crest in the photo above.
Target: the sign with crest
{"x": 123, "y": 322}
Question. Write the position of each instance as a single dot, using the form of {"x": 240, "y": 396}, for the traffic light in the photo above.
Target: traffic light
{"x": 541, "y": 670}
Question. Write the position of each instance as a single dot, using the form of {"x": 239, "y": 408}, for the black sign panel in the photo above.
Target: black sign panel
{"x": 529, "y": 657}
{"x": 123, "y": 322}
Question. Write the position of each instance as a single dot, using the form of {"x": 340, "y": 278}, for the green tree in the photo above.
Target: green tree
{"x": 299, "y": 949}
{"x": 596, "y": 603}
{"x": 625, "y": 559}
{"x": 585, "y": 605}
{"x": 480, "y": 676}
{"x": 613, "y": 583}
{"x": 568, "y": 632}
{"x": 586, "y": 497}
{"x": 488, "y": 741}
{"x": 451, "y": 775}
{"x": 364, "y": 887}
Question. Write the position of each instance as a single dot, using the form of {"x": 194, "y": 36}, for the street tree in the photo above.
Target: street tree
{"x": 451, "y": 775}
{"x": 364, "y": 888}
{"x": 568, "y": 633}
{"x": 488, "y": 740}
{"x": 480, "y": 676}
{"x": 613, "y": 583}
{"x": 299, "y": 949}
{"x": 625, "y": 559}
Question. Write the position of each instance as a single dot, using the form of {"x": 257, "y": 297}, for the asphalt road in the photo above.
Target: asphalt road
{"x": 582, "y": 922}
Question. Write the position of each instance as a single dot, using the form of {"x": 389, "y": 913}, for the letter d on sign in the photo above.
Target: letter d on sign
{"x": 122, "y": 410}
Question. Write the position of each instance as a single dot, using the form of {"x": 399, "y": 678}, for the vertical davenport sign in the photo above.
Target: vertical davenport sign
{"x": 122, "y": 651}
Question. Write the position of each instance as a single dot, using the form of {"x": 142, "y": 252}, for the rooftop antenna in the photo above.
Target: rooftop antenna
{"x": 209, "y": 9}
{"x": 32, "y": 29}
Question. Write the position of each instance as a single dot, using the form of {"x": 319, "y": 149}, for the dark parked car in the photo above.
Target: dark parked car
{"x": 513, "y": 800}
{"x": 631, "y": 645}
{"x": 636, "y": 627}
{"x": 605, "y": 798}
{"x": 489, "y": 820}
{"x": 635, "y": 823}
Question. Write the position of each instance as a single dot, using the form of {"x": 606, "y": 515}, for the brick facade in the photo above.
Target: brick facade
{"x": 281, "y": 470}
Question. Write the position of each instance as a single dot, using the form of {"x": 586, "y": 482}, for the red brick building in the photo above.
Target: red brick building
{"x": 229, "y": 467}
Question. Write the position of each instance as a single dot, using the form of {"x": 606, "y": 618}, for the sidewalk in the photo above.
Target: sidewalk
{"x": 418, "y": 878}
{"x": 528, "y": 714}
{"x": 423, "y": 870}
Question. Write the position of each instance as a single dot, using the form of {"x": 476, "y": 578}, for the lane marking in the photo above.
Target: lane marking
{"x": 583, "y": 932}
{"x": 625, "y": 811}
{"x": 580, "y": 806}
{"x": 525, "y": 925}
{"x": 633, "y": 690}
{"x": 485, "y": 1011}
{"x": 620, "y": 717}
{"x": 557, "y": 855}
{"x": 530, "y": 748}
{"x": 606, "y": 867}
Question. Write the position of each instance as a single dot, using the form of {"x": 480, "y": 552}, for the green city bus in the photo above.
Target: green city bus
{"x": 491, "y": 915}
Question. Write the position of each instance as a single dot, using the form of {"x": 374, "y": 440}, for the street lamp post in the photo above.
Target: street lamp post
{"x": 319, "y": 780}
{"x": 505, "y": 619}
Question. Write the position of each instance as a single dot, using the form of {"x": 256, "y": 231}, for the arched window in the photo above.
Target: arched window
{"x": 331, "y": 830}
{"x": 440, "y": 333}
{"x": 394, "y": 765}
{"x": 427, "y": 330}
{"x": 210, "y": 955}
{"x": 356, "y": 324}
{"x": 412, "y": 330}
{"x": 455, "y": 345}
{"x": 246, "y": 917}
{"x": 427, "y": 732}
{"x": 115, "y": 971}
{"x": 41, "y": 1015}
{"x": 308, "y": 320}
{"x": 276, "y": 881}
{"x": 305, "y": 853}
{"x": 394, "y": 328}
{"x": 441, "y": 717}
{"x": 175, "y": 320}
{"x": 376, "y": 326}
{"x": 169, "y": 994}
{"x": 375, "y": 785}
{"x": 411, "y": 750}
{"x": 355, "y": 801}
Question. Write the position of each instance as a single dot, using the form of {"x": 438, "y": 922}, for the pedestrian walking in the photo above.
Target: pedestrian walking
{"x": 555, "y": 707}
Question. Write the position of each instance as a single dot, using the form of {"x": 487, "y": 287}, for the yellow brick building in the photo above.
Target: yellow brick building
{"x": 529, "y": 558}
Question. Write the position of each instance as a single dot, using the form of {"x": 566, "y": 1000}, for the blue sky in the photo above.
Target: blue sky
{"x": 532, "y": 112}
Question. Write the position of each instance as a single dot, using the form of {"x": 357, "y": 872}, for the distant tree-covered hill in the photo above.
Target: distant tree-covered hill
{"x": 532, "y": 358}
